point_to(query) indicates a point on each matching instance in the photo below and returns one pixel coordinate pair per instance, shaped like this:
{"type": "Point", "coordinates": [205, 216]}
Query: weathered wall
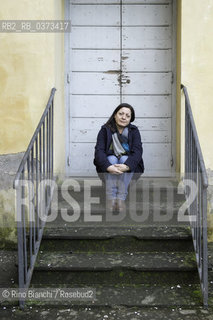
{"type": "Point", "coordinates": [8, 167]}
{"type": "Point", "coordinates": [197, 76]}
{"type": "Point", "coordinates": [59, 118]}
{"type": "Point", "coordinates": [197, 67]}
{"type": "Point", "coordinates": [26, 74]}
{"type": "Point", "coordinates": [30, 65]}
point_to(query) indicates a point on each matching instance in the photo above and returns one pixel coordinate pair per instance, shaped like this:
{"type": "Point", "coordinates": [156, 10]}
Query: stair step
{"type": "Point", "coordinates": [139, 203]}
{"type": "Point", "coordinates": [143, 192]}
{"type": "Point", "coordinates": [107, 239]}
{"type": "Point", "coordinates": [142, 295]}
{"type": "Point", "coordinates": [116, 244]}
{"type": "Point", "coordinates": [148, 261]}
{"type": "Point", "coordinates": [115, 277]}
{"type": "Point", "coordinates": [114, 313]}
{"type": "Point", "coordinates": [99, 217]}
{"type": "Point", "coordinates": [155, 207]}
{"type": "Point", "coordinates": [148, 233]}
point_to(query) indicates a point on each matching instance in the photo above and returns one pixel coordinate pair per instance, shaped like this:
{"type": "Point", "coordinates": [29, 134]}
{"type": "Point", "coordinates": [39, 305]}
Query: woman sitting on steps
{"type": "Point", "coordinates": [118, 154]}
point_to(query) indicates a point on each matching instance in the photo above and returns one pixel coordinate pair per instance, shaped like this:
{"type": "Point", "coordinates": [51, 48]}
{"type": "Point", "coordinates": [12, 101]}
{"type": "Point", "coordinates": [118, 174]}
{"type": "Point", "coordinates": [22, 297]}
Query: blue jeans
{"type": "Point", "coordinates": [117, 185]}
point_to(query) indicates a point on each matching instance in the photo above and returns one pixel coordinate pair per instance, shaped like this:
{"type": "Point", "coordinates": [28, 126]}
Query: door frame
{"type": "Point", "coordinates": [174, 88]}
{"type": "Point", "coordinates": [66, 87]}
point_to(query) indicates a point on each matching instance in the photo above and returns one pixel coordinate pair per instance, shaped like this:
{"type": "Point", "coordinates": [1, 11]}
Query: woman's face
{"type": "Point", "coordinates": [123, 117]}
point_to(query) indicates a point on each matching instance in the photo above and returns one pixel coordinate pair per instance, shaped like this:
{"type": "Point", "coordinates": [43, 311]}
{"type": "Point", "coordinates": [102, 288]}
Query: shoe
{"type": "Point", "coordinates": [121, 206]}
{"type": "Point", "coordinates": [111, 205]}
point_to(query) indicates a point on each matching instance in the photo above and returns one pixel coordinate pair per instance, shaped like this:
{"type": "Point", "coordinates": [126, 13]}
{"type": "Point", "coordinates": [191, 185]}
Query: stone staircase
{"type": "Point", "coordinates": [145, 259]}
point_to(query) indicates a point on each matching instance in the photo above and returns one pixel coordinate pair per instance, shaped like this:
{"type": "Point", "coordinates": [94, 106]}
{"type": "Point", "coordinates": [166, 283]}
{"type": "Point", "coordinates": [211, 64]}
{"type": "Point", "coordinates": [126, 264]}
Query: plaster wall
{"type": "Point", "coordinates": [30, 65]}
{"type": "Point", "coordinates": [197, 76]}
{"type": "Point", "coordinates": [197, 68]}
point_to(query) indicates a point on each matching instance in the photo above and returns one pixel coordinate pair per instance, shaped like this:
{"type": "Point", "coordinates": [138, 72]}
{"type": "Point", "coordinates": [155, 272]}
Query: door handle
{"type": "Point", "coordinates": [127, 81]}
{"type": "Point", "coordinates": [123, 79]}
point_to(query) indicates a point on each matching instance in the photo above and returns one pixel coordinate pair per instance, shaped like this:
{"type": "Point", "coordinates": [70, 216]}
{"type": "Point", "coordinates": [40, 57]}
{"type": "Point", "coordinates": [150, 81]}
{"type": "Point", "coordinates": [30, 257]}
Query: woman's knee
{"type": "Point", "coordinates": [123, 159]}
{"type": "Point", "coordinates": [112, 159]}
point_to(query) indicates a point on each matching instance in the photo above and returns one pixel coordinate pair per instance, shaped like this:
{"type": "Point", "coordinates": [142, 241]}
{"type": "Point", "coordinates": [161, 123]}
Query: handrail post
{"type": "Point", "coordinates": [205, 251]}
{"type": "Point", "coordinates": [20, 241]}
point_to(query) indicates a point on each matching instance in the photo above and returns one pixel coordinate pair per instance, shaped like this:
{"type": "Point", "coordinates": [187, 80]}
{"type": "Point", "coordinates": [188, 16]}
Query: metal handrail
{"type": "Point", "coordinates": [32, 197]}
{"type": "Point", "coordinates": [195, 173]}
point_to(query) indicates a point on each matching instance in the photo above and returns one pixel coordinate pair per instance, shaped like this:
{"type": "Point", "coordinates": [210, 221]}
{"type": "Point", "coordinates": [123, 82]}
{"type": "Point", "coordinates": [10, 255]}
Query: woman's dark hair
{"type": "Point", "coordinates": [111, 121]}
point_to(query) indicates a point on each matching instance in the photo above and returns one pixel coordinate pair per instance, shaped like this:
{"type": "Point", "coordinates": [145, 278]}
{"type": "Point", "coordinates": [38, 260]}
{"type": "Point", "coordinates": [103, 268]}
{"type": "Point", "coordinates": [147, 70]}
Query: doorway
{"type": "Point", "coordinates": [121, 51]}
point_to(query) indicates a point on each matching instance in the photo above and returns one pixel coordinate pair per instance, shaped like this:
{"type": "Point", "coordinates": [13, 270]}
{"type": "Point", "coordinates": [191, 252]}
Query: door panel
{"type": "Point", "coordinates": [95, 60]}
{"type": "Point", "coordinates": [145, 2]}
{"type": "Point", "coordinates": [95, 37]}
{"type": "Point", "coordinates": [146, 15]}
{"type": "Point", "coordinates": [82, 161]}
{"type": "Point", "coordinates": [150, 106]}
{"type": "Point", "coordinates": [96, 106]}
{"type": "Point", "coordinates": [91, 15]}
{"type": "Point", "coordinates": [146, 37]}
{"type": "Point", "coordinates": [147, 83]}
{"type": "Point", "coordinates": [98, 2]}
{"type": "Point", "coordinates": [146, 60]}
{"type": "Point", "coordinates": [121, 51]}
{"type": "Point", "coordinates": [94, 83]}
{"type": "Point", "coordinates": [157, 156]}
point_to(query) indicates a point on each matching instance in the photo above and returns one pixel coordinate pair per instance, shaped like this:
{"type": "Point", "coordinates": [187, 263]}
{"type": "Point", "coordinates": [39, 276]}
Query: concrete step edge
{"type": "Point", "coordinates": [146, 261]}
{"type": "Point", "coordinates": [142, 295]}
{"type": "Point", "coordinates": [142, 233]}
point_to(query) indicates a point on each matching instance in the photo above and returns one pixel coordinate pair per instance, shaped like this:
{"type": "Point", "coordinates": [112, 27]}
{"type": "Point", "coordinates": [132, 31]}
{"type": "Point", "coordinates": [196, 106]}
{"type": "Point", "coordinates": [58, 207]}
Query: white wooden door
{"type": "Point", "coordinates": [121, 51]}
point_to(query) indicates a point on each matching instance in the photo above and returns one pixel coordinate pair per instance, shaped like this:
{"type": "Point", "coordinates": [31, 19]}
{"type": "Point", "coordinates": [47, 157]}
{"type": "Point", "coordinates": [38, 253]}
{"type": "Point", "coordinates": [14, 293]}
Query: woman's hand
{"type": "Point", "coordinates": [113, 169]}
{"type": "Point", "coordinates": [122, 167]}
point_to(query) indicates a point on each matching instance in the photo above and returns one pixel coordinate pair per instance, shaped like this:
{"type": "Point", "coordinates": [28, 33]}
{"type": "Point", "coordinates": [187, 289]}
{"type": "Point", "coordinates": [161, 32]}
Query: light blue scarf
{"type": "Point", "coordinates": [120, 143]}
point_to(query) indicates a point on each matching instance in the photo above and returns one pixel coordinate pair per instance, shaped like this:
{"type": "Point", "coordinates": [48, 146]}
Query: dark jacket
{"type": "Point", "coordinates": [102, 150]}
